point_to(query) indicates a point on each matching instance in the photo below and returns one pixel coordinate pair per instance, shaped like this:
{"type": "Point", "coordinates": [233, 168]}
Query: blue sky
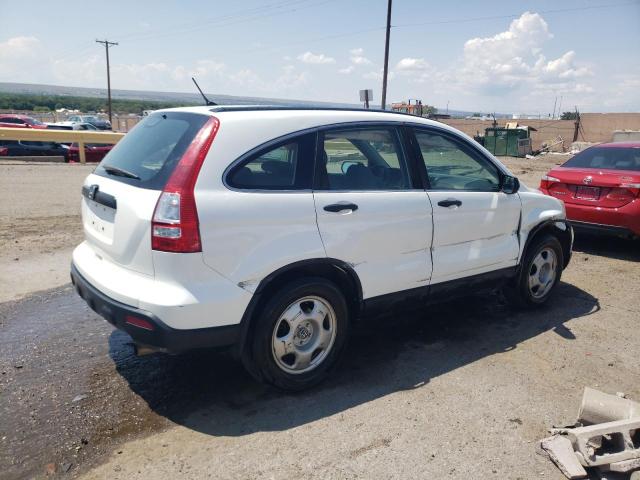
{"type": "Point", "coordinates": [502, 56]}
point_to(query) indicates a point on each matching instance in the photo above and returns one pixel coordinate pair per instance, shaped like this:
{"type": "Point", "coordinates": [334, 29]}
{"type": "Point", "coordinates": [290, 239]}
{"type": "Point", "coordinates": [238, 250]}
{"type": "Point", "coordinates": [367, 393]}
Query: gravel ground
{"type": "Point", "coordinates": [455, 391]}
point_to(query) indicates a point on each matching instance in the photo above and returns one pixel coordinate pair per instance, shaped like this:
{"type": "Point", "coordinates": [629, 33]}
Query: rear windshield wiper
{"type": "Point", "coordinates": [111, 170]}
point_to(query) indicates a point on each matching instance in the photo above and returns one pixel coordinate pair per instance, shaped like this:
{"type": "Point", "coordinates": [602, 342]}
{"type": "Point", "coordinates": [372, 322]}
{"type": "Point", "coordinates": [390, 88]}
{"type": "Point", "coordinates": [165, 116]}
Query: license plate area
{"type": "Point", "coordinates": [587, 193]}
{"type": "Point", "coordinates": [100, 221]}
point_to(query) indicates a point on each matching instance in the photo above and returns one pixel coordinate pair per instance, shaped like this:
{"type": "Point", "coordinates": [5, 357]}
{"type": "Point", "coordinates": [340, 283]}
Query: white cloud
{"type": "Point", "coordinates": [377, 75]}
{"type": "Point", "coordinates": [411, 65]}
{"type": "Point", "coordinates": [316, 59]}
{"type": "Point", "coordinates": [347, 70]}
{"type": "Point", "coordinates": [19, 55]}
{"type": "Point", "coordinates": [513, 59]}
{"type": "Point", "coordinates": [358, 58]}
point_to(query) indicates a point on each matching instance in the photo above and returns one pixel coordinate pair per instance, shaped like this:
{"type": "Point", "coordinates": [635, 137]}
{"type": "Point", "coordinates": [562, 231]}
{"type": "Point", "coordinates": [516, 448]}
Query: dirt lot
{"type": "Point", "coordinates": [457, 391]}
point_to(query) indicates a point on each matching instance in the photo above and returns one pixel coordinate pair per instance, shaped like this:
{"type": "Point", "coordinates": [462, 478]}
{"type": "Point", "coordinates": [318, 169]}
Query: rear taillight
{"type": "Point", "coordinates": [625, 192]}
{"type": "Point", "coordinates": [175, 226]}
{"type": "Point", "coordinates": [546, 181]}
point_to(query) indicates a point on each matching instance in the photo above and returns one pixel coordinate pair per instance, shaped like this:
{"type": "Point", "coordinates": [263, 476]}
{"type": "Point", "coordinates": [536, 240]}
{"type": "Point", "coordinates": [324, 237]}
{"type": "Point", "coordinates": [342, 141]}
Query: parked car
{"type": "Point", "coordinates": [20, 121]}
{"type": "Point", "coordinates": [94, 120]}
{"type": "Point", "coordinates": [71, 126]}
{"type": "Point", "coordinates": [272, 230]}
{"type": "Point", "coordinates": [94, 152]}
{"type": "Point", "coordinates": [600, 188]}
{"type": "Point", "coordinates": [4, 151]}
{"type": "Point", "coordinates": [24, 148]}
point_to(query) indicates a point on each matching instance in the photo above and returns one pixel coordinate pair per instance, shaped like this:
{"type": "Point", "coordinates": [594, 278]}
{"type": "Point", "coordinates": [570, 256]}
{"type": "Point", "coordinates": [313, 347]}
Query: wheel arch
{"type": "Point", "coordinates": [561, 229]}
{"type": "Point", "coordinates": [334, 270]}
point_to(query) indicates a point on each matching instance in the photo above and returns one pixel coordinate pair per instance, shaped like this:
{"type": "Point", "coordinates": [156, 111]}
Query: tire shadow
{"type": "Point", "coordinates": [607, 246]}
{"type": "Point", "coordinates": [211, 392]}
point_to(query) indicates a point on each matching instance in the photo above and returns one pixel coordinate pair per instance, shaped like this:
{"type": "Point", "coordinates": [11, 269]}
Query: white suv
{"type": "Point", "coordinates": [273, 229]}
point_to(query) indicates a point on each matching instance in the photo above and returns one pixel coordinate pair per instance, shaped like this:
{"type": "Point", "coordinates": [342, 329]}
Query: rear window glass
{"type": "Point", "coordinates": [607, 159]}
{"type": "Point", "coordinates": [153, 148]}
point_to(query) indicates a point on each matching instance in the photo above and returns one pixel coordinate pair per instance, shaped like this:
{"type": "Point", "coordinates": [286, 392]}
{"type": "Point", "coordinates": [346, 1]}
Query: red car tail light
{"type": "Point", "coordinates": [175, 226]}
{"type": "Point", "coordinates": [625, 193]}
{"type": "Point", "coordinates": [546, 181]}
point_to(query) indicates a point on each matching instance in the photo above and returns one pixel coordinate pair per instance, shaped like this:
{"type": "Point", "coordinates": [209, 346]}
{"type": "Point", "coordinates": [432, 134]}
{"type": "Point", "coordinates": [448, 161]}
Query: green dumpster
{"type": "Point", "coordinates": [504, 141]}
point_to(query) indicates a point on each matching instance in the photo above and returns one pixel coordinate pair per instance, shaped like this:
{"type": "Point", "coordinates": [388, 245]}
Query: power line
{"type": "Point", "coordinates": [108, 44]}
{"type": "Point", "coordinates": [513, 15]}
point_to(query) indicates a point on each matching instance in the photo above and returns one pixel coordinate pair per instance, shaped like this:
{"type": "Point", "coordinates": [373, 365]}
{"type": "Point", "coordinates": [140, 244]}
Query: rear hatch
{"type": "Point", "coordinates": [119, 198]}
{"type": "Point", "coordinates": [607, 177]}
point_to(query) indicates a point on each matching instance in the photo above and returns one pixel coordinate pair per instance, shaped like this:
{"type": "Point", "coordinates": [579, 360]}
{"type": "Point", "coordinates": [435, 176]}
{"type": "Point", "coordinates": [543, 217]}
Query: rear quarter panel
{"type": "Point", "coordinates": [246, 235]}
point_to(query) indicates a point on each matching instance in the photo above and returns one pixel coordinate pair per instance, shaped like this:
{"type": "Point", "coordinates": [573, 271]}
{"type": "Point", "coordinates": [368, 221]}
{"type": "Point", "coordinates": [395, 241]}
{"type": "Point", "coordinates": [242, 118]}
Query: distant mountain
{"type": "Point", "coordinates": [193, 98]}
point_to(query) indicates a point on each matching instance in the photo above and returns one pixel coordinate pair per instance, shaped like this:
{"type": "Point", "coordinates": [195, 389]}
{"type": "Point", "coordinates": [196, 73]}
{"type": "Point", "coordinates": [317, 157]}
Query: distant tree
{"type": "Point", "coordinates": [429, 110]}
{"type": "Point", "coordinates": [476, 114]}
{"type": "Point", "coordinates": [569, 116]}
{"type": "Point", "coordinates": [43, 103]}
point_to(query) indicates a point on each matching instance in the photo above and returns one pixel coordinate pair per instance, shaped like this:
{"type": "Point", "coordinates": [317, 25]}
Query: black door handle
{"type": "Point", "coordinates": [449, 202]}
{"type": "Point", "coordinates": [338, 207]}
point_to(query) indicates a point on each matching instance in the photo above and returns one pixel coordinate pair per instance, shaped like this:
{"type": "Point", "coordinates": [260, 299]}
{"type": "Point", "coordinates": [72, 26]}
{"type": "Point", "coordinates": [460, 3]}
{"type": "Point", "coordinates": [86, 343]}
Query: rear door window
{"type": "Point", "coordinates": [153, 148]}
{"type": "Point", "coordinates": [362, 159]}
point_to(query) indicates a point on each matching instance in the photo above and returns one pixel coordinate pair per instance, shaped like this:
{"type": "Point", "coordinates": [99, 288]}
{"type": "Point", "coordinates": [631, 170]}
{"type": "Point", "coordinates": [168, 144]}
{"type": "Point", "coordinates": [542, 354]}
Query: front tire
{"type": "Point", "coordinates": [539, 274]}
{"type": "Point", "coordinates": [300, 334]}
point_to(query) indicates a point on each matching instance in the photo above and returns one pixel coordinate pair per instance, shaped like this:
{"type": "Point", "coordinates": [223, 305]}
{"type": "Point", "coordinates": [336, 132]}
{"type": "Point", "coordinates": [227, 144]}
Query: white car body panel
{"type": "Point", "coordinates": [121, 236]}
{"type": "Point", "coordinates": [248, 235]}
{"type": "Point", "coordinates": [386, 240]}
{"type": "Point", "coordinates": [478, 236]}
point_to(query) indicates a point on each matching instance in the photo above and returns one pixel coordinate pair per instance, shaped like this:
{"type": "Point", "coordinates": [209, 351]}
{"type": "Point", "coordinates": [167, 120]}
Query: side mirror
{"type": "Point", "coordinates": [510, 184]}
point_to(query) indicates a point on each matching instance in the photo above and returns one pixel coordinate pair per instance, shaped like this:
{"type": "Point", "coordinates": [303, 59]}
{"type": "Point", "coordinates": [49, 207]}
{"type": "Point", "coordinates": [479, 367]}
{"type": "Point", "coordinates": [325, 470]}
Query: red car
{"type": "Point", "coordinates": [20, 121]}
{"type": "Point", "coordinates": [94, 152]}
{"type": "Point", "coordinates": [4, 151]}
{"type": "Point", "coordinates": [600, 187]}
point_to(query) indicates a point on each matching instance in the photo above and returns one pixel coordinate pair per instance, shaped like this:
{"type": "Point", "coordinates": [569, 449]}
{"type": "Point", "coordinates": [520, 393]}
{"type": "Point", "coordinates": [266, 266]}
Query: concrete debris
{"type": "Point", "coordinates": [606, 436]}
{"type": "Point", "coordinates": [561, 452]}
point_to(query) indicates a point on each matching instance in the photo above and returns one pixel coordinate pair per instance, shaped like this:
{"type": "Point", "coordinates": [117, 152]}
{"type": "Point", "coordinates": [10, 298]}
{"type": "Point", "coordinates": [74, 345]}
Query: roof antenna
{"type": "Point", "coordinates": [206, 100]}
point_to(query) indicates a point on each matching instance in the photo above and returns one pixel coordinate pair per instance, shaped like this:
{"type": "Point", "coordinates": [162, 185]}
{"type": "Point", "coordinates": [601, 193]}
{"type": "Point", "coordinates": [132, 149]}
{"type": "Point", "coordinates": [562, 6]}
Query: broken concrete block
{"type": "Point", "coordinates": [560, 450]}
{"type": "Point", "coordinates": [599, 407]}
{"type": "Point", "coordinates": [606, 443]}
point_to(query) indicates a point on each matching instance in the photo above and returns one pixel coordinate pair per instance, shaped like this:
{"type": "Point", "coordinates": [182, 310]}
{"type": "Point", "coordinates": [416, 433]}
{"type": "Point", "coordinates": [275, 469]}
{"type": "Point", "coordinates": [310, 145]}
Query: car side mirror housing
{"type": "Point", "coordinates": [510, 184]}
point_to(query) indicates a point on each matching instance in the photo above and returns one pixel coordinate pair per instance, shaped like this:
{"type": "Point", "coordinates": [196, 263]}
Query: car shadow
{"type": "Point", "coordinates": [607, 246]}
{"type": "Point", "coordinates": [211, 392]}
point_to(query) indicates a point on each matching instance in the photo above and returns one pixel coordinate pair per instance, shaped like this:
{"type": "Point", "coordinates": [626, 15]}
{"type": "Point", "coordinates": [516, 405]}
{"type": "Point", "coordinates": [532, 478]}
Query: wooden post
{"type": "Point", "coordinates": [83, 158]}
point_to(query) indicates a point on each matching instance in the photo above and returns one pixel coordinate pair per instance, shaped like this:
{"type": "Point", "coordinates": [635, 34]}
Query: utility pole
{"type": "Point", "coordinates": [386, 58]}
{"type": "Point", "coordinates": [108, 44]}
{"type": "Point", "coordinates": [576, 125]}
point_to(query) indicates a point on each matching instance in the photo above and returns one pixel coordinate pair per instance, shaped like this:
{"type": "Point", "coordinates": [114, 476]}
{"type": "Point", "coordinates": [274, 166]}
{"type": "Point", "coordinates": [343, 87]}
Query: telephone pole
{"type": "Point", "coordinates": [386, 58]}
{"type": "Point", "coordinates": [108, 44]}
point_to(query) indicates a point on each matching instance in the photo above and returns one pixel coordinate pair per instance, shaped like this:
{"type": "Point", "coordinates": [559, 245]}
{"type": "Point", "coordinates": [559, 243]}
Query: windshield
{"type": "Point", "coordinates": [153, 148]}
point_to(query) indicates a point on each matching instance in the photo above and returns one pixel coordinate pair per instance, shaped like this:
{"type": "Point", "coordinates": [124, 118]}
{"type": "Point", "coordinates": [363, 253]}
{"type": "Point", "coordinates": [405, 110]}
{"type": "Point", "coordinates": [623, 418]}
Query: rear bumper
{"type": "Point", "coordinates": [160, 335]}
{"type": "Point", "coordinates": [602, 229]}
{"type": "Point", "coordinates": [623, 221]}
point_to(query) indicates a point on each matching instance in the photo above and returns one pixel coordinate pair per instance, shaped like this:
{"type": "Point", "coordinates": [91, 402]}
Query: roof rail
{"type": "Point", "coordinates": [251, 108]}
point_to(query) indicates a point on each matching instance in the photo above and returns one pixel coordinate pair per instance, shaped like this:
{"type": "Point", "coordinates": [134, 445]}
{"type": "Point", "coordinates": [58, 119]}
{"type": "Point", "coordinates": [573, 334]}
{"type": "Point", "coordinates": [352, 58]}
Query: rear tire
{"type": "Point", "coordinates": [300, 335]}
{"type": "Point", "coordinates": [539, 273]}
